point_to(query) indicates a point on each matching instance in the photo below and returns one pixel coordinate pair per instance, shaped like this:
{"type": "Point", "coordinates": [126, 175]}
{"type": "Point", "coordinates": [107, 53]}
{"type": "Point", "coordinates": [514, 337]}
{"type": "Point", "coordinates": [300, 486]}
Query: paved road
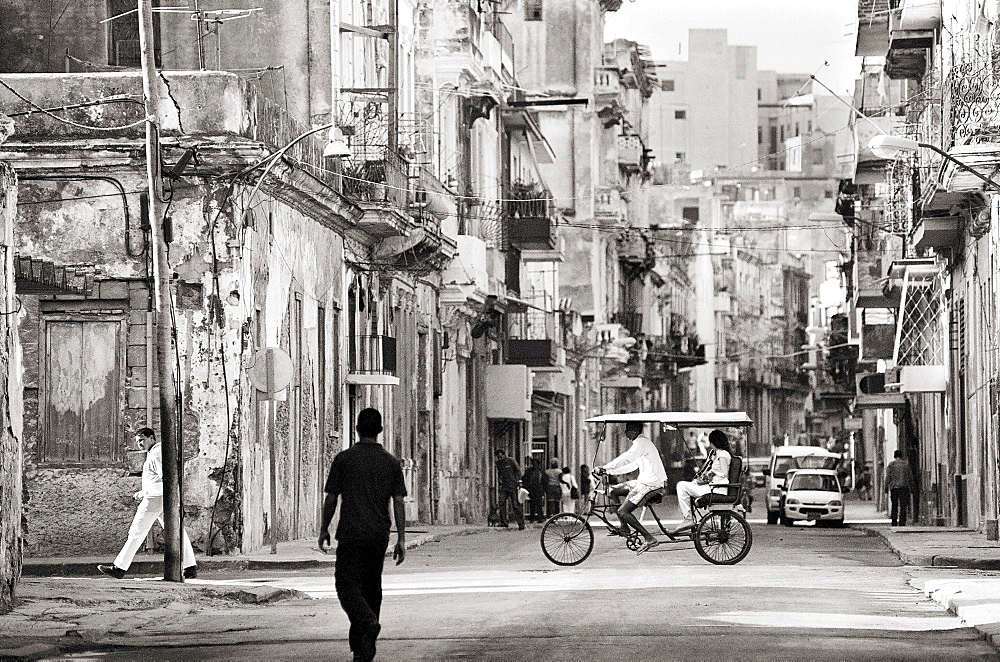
{"type": "Point", "coordinates": [802, 593]}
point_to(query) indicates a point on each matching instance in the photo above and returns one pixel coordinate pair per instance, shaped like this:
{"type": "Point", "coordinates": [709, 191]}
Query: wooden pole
{"type": "Point", "coordinates": [172, 524]}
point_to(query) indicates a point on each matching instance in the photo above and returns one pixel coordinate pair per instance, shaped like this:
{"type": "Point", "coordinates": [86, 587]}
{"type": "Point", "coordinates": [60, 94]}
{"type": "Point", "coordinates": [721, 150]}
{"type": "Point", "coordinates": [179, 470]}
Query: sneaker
{"type": "Point", "coordinates": [191, 572]}
{"type": "Point", "coordinates": [111, 571]}
{"type": "Point", "coordinates": [646, 546]}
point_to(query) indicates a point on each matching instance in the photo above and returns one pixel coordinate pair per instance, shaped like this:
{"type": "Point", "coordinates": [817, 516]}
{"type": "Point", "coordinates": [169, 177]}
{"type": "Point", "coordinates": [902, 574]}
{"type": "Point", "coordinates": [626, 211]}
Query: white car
{"type": "Point", "coordinates": [814, 495]}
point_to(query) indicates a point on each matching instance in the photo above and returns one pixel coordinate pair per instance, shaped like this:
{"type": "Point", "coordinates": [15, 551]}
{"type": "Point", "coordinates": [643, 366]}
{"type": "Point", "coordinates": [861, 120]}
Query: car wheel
{"type": "Point", "coordinates": [836, 523]}
{"type": "Point", "coordinates": [786, 521]}
{"type": "Point", "coordinates": [772, 517]}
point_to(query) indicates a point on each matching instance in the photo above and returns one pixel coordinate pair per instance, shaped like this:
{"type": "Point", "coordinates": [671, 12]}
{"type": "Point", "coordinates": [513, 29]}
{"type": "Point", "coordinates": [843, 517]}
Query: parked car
{"type": "Point", "coordinates": [757, 466]}
{"type": "Point", "coordinates": [814, 495]}
{"type": "Point", "coordinates": [786, 458]}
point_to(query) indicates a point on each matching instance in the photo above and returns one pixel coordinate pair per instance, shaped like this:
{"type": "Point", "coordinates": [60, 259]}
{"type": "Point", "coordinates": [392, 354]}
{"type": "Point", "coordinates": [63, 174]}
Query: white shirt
{"type": "Point", "coordinates": [644, 457]}
{"type": "Point", "coordinates": [720, 466]}
{"type": "Point", "coordinates": [152, 472]}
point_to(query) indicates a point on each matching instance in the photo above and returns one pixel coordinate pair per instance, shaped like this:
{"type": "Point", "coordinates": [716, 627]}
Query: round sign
{"type": "Point", "coordinates": [270, 369]}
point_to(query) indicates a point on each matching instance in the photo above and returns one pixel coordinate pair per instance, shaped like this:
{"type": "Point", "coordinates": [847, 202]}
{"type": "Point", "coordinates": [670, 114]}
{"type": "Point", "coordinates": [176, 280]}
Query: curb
{"type": "Point", "coordinates": [140, 567]}
{"type": "Point", "coordinates": [976, 605]}
{"type": "Point", "coordinates": [931, 560]}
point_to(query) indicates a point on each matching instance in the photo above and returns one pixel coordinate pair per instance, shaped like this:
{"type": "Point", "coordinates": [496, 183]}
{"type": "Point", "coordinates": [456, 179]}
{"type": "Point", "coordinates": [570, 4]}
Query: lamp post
{"type": "Point", "coordinates": [892, 147]}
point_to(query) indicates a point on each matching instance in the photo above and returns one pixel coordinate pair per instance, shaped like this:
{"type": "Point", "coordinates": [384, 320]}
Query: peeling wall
{"type": "Point", "coordinates": [10, 399]}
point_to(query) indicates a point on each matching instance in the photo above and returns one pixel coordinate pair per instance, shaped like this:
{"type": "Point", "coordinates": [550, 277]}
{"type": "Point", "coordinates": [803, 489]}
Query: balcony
{"type": "Point", "coordinates": [630, 154]}
{"type": "Point", "coordinates": [530, 218]}
{"type": "Point", "coordinates": [540, 353]}
{"type": "Point", "coordinates": [372, 361]}
{"type": "Point", "coordinates": [937, 232]}
{"type": "Point", "coordinates": [633, 249]}
{"type": "Point", "coordinates": [973, 99]}
{"type": "Point", "coordinates": [630, 320]}
{"type": "Point", "coordinates": [506, 41]}
{"type": "Point", "coordinates": [909, 40]}
{"type": "Point", "coordinates": [609, 205]}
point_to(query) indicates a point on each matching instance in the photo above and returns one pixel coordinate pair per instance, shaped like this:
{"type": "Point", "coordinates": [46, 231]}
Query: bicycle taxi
{"type": "Point", "coordinates": [720, 534]}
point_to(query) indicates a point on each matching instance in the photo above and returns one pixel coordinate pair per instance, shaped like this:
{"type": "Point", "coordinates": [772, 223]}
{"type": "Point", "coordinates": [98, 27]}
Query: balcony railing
{"type": "Point", "coordinates": [373, 355]}
{"type": "Point", "coordinates": [972, 97]}
{"type": "Point", "coordinates": [506, 41]}
{"type": "Point", "coordinates": [530, 218]}
{"type": "Point", "coordinates": [630, 153]}
{"type": "Point", "coordinates": [629, 319]}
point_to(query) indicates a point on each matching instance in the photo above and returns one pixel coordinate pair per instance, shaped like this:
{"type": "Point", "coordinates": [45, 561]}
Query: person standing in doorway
{"type": "Point", "coordinates": [365, 477]}
{"type": "Point", "coordinates": [586, 484]}
{"type": "Point", "coordinates": [508, 482]}
{"type": "Point", "coordinates": [899, 483]}
{"type": "Point", "coordinates": [532, 480]}
{"type": "Point", "coordinates": [150, 510]}
{"type": "Point", "coordinates": [553, 487]}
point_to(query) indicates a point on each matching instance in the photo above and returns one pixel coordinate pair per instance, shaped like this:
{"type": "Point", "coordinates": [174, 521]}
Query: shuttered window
{"type": "Point", "coordinates": [80, 404]}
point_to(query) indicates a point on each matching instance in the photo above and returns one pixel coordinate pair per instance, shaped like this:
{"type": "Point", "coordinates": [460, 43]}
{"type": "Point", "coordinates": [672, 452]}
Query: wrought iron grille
{"type": "Point", "coordinates": [920, 334]}
{"type": "Point", "coordinates": [899, 203]}
{"type": "Point", "coordinates": [972, 97]}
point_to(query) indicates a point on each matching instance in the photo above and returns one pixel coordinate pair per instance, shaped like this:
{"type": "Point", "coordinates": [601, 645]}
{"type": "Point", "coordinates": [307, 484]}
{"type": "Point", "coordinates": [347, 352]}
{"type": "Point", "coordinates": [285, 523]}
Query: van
{"type": "Point", "coordinates": [784, 458]}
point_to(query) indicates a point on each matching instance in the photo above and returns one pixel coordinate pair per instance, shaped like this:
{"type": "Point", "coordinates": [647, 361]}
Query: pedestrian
{"type": "Point", "coordinates": [864, 484]}
{"type": "Point", "coordinates": [533, 482]}
{"type": "Point", "coordinates": [570, 491]}
{"type": "Point", "coordinates": [150, 510]}
{"type": "Point", "coordinates": [586, 483]}
{"type": "Point", "coordinates": [899, 483]}
{"type": "Point", "coordinates": [365, 477]}
{"type": "Point", "coordinates": [508, 483]}
{"type": "Point", "coordinates": [553, 487]}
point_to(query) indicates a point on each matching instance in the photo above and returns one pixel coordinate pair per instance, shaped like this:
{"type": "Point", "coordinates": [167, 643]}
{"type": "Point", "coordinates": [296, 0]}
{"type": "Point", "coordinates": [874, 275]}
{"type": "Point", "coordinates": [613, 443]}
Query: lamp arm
{"type": "Point", "coordinates": [961, 165]}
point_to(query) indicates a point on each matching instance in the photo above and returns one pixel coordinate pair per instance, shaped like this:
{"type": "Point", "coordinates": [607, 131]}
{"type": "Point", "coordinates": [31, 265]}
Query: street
{"type": "Point", "coordinates": [802, 593]}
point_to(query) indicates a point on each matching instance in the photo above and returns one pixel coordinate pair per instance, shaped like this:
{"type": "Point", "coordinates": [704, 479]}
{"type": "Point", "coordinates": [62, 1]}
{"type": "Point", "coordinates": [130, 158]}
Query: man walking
{"type": "Point", "coordinates": [508, 482]}
{"type": "Point", "coordinates": [899, 482]}
{"type": "Point", "coordinates": [150, 510]}
{"type": "Point", "coordinates": [532, 480]}
{"type": "Point", "coordinates": [365, 477]}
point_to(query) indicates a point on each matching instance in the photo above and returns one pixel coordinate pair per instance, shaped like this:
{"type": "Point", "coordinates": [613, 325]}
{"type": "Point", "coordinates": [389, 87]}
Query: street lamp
{"type": "Point", "coordinates": [893, 147]}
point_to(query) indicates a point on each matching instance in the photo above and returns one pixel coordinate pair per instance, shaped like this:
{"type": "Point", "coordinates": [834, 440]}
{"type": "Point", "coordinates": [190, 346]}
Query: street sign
{"type": "Point", "coordinates": [270, 371]}
{"type": "Point", "coordinates": [852, 424]}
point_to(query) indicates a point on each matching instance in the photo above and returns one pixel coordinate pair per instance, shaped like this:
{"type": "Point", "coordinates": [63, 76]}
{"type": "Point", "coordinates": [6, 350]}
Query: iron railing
{"type": "Point", "coordinates": [373, 355]}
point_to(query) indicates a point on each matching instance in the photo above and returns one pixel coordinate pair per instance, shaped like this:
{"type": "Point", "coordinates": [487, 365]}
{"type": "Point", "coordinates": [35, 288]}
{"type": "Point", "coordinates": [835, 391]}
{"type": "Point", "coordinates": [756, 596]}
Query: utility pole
{"type": "Point", "coordinates": [172, 525]}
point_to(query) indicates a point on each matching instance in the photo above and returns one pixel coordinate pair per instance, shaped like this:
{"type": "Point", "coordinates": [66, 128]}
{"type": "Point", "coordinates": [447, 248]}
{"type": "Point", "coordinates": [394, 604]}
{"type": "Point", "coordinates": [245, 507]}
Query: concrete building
{"type": "Point", "coordinates": [925, 285]}
{"type": "Point", "coordinates": [11, 411]}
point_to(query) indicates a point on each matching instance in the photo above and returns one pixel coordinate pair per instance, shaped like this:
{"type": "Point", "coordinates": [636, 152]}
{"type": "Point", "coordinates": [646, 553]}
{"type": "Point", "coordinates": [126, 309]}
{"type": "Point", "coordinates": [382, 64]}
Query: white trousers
{"type": "Point", "coordinates": [150, 510]}
{"type": "Point", "coordinates": [568, 504]}
{"type": "Point", "coordinates": [687, 490]}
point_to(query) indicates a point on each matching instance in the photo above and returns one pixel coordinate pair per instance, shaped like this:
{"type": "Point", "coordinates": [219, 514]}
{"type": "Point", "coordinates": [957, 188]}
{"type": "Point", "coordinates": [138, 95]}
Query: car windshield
{"type": "Point", "coordinates": [783, 464]}
{"type": "Point", "coordinates": [822, 483]}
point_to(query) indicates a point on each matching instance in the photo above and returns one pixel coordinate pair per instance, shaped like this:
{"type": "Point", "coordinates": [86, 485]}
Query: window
{"type": "Point", "coordinates": [809, 126]}
{"type": "Point", "coordinates": [760, 135]}
{"type": "Point", "coordinates": [81, 369]}
{"type": "Point", "coordinates": [828, 194]}
{"type": "Point", "coordinates": [533, 10]}
{"type": "Point", "coordinates": [123, 35]}
{"type": "Point", "coordinates": [797, 192]}
{"type": "Point", "coordinates": [782, 134]}
{"type": "Point", "coordinates": [678, 156]}
{"type": "Point", "coordinates": [680, 114]}
{"type": "Point", "coordinates": [759, 95]}
{"type": "Point", "coordinates": [667, 86]}
{"type": "Point", "coordinates": [796, 129]}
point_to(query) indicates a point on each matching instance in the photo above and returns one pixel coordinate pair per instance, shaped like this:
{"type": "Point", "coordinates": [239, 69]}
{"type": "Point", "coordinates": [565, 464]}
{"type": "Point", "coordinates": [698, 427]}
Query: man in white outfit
{"type": "Point", "coordinates": [716, 472]}
{"type": "Point", "coordinates": [652, 476]}
{"type": "Point", "coordinates": [150, 510]}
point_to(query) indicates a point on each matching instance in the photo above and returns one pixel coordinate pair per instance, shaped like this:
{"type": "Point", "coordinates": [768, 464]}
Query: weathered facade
{"type": "Point", "coordinates": [925, 290]}
{"type": "Point", "coordinates": [10, 393]}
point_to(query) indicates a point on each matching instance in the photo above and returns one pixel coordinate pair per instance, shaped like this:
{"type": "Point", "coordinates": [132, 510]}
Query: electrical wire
{"type": "Point", "coordinates": [71, 122]}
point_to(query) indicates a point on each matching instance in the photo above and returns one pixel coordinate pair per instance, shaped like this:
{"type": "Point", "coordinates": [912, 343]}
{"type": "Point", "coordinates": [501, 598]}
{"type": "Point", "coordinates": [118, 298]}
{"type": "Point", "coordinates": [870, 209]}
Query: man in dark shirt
{"type": "Point", "coordinates": [365, 477]}
{"type": "Point", "coordinates": [899, 483]}
{"type": "Point", "coordinates": [508, 483]}
{"type": "Point", "coordinates": [536, 490]}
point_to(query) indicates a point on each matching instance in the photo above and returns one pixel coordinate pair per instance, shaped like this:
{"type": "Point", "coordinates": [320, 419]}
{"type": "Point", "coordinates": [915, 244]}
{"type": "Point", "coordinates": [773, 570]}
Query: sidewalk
{"type": "Point", "coordinates": [293, 555]}
{"type": "Point", "coordinates": [975, 598]}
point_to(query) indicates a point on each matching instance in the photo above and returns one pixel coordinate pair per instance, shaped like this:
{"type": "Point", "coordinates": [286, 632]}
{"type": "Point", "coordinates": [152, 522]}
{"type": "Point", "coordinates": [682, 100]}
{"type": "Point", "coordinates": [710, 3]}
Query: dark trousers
{"type": "Point", "coordinates": [358, 579]}
{"type": "Point", "coordinates": [536, 504]}
{"type": "Point", "coordinates": [510, 494]}
{"type": "Point", "coordinates": [899, 497]}
{"type": "Point", "coordinates": [553, 502]}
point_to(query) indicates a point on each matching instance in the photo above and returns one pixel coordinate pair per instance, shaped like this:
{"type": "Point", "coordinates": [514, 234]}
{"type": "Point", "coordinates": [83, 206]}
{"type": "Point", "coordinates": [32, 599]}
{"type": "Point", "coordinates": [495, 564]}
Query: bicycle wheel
{"type": "Point", "coordinates": [723, 538]}
{"type": "Point", "coordinates": [567, 539]}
